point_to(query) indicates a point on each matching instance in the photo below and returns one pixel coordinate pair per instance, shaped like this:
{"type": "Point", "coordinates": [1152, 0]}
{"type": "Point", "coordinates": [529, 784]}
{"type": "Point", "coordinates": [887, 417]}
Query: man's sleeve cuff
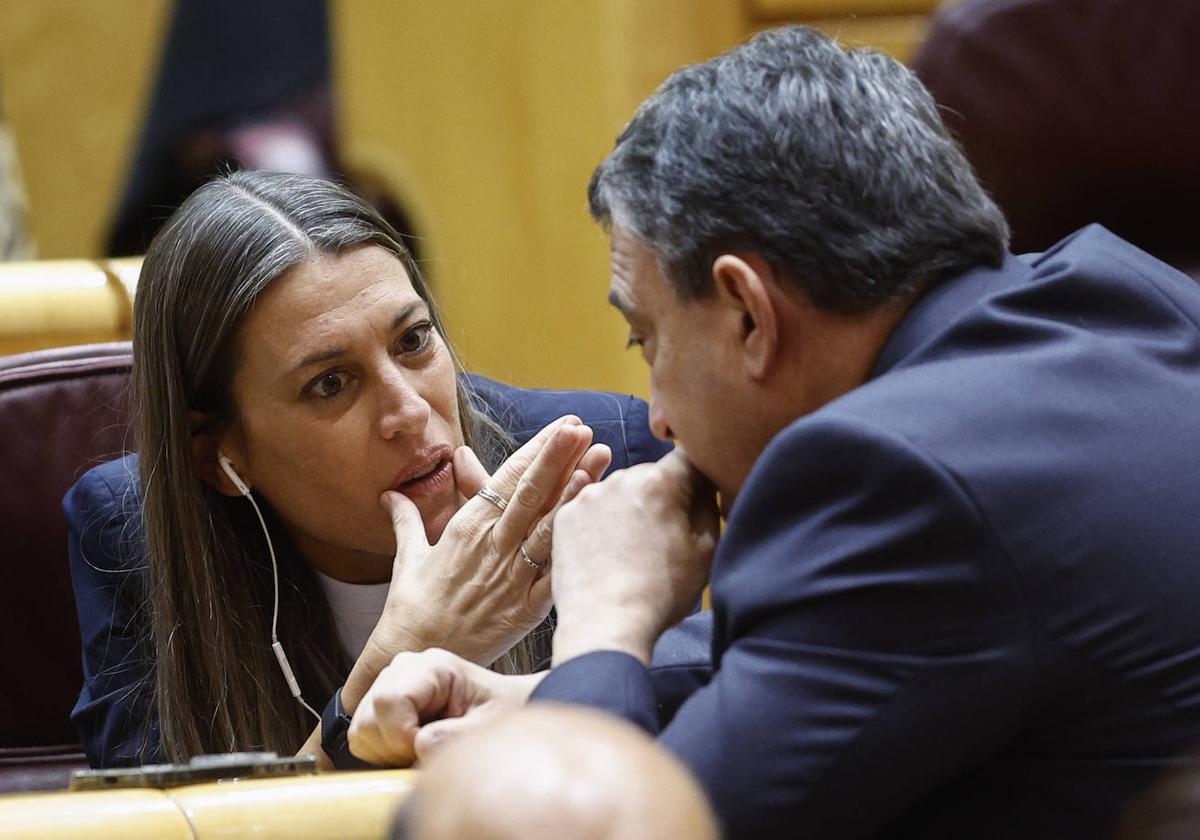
{"type": "Point", "coordinates": [613, 682]}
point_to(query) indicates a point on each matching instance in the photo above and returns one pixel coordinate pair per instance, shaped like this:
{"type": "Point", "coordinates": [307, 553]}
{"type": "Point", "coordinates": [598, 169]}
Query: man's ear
{"type": "Point", "coordinates": [208, 441]}
{"type": "Point", "coordinates": [743, 284]}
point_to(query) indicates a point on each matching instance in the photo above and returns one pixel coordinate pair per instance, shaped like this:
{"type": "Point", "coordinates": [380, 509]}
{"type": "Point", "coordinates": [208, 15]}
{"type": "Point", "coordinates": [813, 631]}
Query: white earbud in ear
{"type": "Point", "coordinates": [284, 665]}
{"type": "Point", "coordinates": [227, 466]}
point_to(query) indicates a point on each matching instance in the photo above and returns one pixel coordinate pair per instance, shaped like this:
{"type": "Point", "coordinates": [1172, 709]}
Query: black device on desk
{"type": "Point", "coordinates": [202, 768]}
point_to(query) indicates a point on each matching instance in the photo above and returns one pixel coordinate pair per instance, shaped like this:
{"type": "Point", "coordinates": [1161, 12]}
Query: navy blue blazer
{"type": "Point", "coordinates": [104, 517]}
{"type": "Point", "coordinates": [962, 600]}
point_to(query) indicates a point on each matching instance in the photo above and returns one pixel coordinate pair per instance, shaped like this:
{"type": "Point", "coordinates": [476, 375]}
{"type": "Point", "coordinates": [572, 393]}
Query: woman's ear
{"type": "Point", "coordinates": [742, 284]}
{"type": "Point", "coordinates": [208, 441]}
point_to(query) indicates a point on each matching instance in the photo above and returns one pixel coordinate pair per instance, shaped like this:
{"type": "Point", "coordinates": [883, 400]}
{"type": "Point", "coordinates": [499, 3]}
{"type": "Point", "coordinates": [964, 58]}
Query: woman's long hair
{"type": "Point", "coordinates": [217, 686]}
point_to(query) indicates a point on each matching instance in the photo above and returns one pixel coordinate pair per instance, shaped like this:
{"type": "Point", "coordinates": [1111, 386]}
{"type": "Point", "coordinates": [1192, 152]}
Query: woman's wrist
{"type": "Point", "coordinates": [381, 648]}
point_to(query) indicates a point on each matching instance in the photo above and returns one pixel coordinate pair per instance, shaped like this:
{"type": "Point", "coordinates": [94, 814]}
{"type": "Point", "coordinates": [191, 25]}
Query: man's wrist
{"type": "Point", "coordinates": [572, 639]}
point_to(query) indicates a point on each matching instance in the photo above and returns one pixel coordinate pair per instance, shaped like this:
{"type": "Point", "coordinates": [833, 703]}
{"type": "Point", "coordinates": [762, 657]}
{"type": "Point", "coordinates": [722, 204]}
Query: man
{"type": "Point", "coordinates": [567, 772]}
{"type": "Point", "coordinates": [956, 593]}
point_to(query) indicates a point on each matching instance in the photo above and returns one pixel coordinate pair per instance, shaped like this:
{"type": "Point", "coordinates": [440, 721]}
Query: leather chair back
{"type": "Point", "coordinates": [1077, 111]}
{"type": "Point", "coordinates": [62, 411]}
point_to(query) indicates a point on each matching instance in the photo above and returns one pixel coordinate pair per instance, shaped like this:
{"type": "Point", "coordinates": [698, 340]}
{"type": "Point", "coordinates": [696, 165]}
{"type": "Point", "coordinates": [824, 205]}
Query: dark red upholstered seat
{"type": "Point", "coordinates": [1078, 111]}
{"type": "Point", "coordinates": [62, 411]}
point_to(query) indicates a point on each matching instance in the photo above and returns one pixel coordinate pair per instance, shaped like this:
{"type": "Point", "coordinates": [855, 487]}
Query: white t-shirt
{"type": "Point", "coordinates": [356, 609]}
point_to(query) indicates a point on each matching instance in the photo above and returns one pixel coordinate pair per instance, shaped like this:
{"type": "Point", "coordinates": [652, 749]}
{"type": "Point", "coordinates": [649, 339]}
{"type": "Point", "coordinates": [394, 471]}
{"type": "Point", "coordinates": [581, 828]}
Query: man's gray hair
{"type": "Point", "coordinates": [834, 166]}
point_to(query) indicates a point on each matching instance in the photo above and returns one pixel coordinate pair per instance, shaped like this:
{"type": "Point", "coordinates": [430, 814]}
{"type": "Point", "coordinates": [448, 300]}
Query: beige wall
{"type": "Point", "coordinates": [490, 117]}
{"type": "Point", "coordinates": [486, 117]}
{"type": "Point", "coordinates": [75, 76]}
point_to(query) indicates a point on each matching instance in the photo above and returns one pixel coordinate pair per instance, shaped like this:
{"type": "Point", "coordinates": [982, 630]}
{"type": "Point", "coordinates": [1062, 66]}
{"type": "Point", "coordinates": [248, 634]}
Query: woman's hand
{"type": "Point", "coordinates": [474, 592]}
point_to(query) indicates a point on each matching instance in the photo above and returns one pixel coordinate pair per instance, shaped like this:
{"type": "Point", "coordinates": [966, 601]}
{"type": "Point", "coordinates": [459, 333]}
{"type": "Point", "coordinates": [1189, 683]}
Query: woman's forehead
{"type": "Point", "coordinates": [355, 280]}
{"type": "Point", "coordinates": [329, 298]}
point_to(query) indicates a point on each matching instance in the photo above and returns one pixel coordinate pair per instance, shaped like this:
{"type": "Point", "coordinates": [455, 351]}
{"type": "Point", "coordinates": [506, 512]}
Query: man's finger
{"type": "Point", "coordinates": [385, 723]}
{"type": "Point", "coordinates": [407, 524]}
{"type": "Point", "coordinates": [434, 735]}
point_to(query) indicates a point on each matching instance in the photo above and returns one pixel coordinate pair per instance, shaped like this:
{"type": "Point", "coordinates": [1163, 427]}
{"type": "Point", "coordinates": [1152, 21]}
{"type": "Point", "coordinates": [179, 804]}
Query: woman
{"type": "Point", "coordinates": [280, 327]}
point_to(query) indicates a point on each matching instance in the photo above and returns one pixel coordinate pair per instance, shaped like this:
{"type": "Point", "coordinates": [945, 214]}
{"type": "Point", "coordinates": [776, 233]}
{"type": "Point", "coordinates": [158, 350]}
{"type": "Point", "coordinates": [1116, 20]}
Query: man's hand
{"type": "Point", "coordinates": [422, 699]}
{"type": "Point", "coordinates": [631, 557]}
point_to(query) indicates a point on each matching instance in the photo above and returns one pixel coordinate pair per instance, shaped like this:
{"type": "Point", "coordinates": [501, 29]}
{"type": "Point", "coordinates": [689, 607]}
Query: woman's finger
{"type": "Point", "coordinates": [540, 486]}
{"type": "Point", "coordinates": [538, 543]}
{"type": "Point", "coordinates": [469, 474]}
{"type": "Point", "coordinates": [505, 481]}
{"type": "Point", "coordinates": [407, 524]}
{"type": "Point", "coordinates": [541, 598]}
{"type": "Point", "coordinates": [595, 461]}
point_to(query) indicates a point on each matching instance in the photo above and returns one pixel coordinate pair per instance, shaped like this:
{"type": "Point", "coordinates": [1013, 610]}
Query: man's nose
{"type": "Point", "coordinates": [402, 408]}
{"type": "Point", "coordinates": [658, 422]}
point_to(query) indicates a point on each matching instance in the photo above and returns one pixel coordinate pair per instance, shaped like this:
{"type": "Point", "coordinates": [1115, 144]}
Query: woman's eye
{"type": "Point", "coordinates": [634, 340]}
{"type": "Point", "coordinates": [328, 385]}
{"type": "Point", "coordinates": [417, 338]}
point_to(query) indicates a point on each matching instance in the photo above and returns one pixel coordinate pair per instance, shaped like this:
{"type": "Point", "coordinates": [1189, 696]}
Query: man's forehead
{"type": "Point", "coordinates": [631, 263]}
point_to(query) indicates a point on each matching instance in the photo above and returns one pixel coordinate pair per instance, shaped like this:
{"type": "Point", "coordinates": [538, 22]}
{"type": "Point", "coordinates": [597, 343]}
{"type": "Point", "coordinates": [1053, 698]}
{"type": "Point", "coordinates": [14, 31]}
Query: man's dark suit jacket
{"type": "Point", "coordinates": [962, 600]}
{"type": "Point", "coordinates": [103, 512]}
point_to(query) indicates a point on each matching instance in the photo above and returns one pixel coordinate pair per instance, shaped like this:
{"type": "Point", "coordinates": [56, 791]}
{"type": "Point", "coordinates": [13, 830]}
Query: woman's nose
{"type": "Point", "coordinates": [402, 408]}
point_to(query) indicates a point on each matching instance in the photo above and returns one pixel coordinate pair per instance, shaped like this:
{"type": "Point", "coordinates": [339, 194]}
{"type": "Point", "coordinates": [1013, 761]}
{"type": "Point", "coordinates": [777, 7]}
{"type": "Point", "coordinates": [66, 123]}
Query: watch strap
{"type": "Point", "coordinates": [335, 726]}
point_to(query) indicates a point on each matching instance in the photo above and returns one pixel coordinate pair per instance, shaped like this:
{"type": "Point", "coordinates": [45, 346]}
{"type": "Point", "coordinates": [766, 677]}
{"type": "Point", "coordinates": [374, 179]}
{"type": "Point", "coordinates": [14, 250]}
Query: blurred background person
{"type": "Point", "coordinates": [14, 241]}
{"type": "Point", "coordinates": [243, 85]}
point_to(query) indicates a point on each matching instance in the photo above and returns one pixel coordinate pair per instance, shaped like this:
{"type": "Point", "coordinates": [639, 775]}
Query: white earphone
{"type": "Point", "coordinates": [284, 665]}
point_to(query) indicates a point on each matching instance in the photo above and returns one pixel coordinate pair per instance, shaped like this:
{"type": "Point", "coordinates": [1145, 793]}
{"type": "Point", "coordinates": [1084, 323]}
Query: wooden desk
{"type": "Point", "coordinates": [354, 806]}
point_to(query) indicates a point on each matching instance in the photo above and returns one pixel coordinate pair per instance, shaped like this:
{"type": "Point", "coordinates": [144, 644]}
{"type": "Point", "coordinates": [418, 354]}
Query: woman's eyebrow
{"type": "Point", "coordinates": [335, 352]}
{"type": "Point", "coordinates": [407, 312]}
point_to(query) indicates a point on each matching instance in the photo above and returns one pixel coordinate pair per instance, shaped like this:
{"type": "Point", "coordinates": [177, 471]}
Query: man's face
{"type": "Point", "coordinates": [697, 396]}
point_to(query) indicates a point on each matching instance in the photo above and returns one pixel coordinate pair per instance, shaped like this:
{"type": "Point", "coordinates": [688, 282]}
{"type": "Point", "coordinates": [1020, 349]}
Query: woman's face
{"type": "Point", "coordinates": [343, 390]}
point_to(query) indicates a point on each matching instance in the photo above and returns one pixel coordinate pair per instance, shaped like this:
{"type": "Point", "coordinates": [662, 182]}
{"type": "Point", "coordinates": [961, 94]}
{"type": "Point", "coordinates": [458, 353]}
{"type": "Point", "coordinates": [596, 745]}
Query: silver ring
{"type": "Point", "coordinates": [530, 561]}
{"type": "Point", "coordinates": [493, 497]}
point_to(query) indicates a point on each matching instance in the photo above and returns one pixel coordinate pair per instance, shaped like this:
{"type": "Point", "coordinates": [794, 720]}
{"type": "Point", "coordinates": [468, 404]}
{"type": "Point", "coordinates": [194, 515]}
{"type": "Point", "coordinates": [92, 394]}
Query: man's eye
{"type": "Point", "coordinates": [634, 340]}
{"type": "Point", "coordinates": [327, 385]}
{"type": "Point", "coordinates": [416, 339]}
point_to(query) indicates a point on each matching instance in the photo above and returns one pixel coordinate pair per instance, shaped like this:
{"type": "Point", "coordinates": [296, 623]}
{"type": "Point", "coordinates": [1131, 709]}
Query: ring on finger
{"type": "Point", "coordinates": [492, 496]}
{"type": "Point", "coordinates": [533, 564]}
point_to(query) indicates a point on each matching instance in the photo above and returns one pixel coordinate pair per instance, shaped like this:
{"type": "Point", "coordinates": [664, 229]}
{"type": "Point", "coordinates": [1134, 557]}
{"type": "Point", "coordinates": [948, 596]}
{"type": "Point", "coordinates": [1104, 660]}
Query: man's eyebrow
{"type": "Point", "coordinates": [335, 352]}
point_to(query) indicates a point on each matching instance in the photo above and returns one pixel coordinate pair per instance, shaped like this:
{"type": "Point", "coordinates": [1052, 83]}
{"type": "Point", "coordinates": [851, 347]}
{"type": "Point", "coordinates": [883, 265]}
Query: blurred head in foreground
{"type": "Point", "coordinates": [555, 771]}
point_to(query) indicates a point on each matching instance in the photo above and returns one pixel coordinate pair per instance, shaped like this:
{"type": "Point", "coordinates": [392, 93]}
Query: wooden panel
{"type": "Point", "coordinates": [349, 806]}
{"type": "Point", "coordinates": [131, 815]}
{"type": "Point", "coordinates": [57, 302]}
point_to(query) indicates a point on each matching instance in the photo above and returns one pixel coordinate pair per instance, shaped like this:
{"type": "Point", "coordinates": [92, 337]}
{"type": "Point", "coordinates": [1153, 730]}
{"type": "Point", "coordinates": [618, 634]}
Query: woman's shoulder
{"type": "Point", "coordinates": [113, 484]}
{"type": "Point", "coordinates": [621, 421]}
{"type": "Point", "coordinates": [103, 513]}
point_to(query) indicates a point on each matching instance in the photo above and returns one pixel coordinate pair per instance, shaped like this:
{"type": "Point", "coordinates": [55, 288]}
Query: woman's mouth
{"type": "Point", "coordinates": [433, 480]}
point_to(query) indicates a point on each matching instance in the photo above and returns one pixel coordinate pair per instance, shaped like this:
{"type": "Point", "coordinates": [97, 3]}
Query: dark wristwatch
{"type": "Point", "coordinates": [335, 724]}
